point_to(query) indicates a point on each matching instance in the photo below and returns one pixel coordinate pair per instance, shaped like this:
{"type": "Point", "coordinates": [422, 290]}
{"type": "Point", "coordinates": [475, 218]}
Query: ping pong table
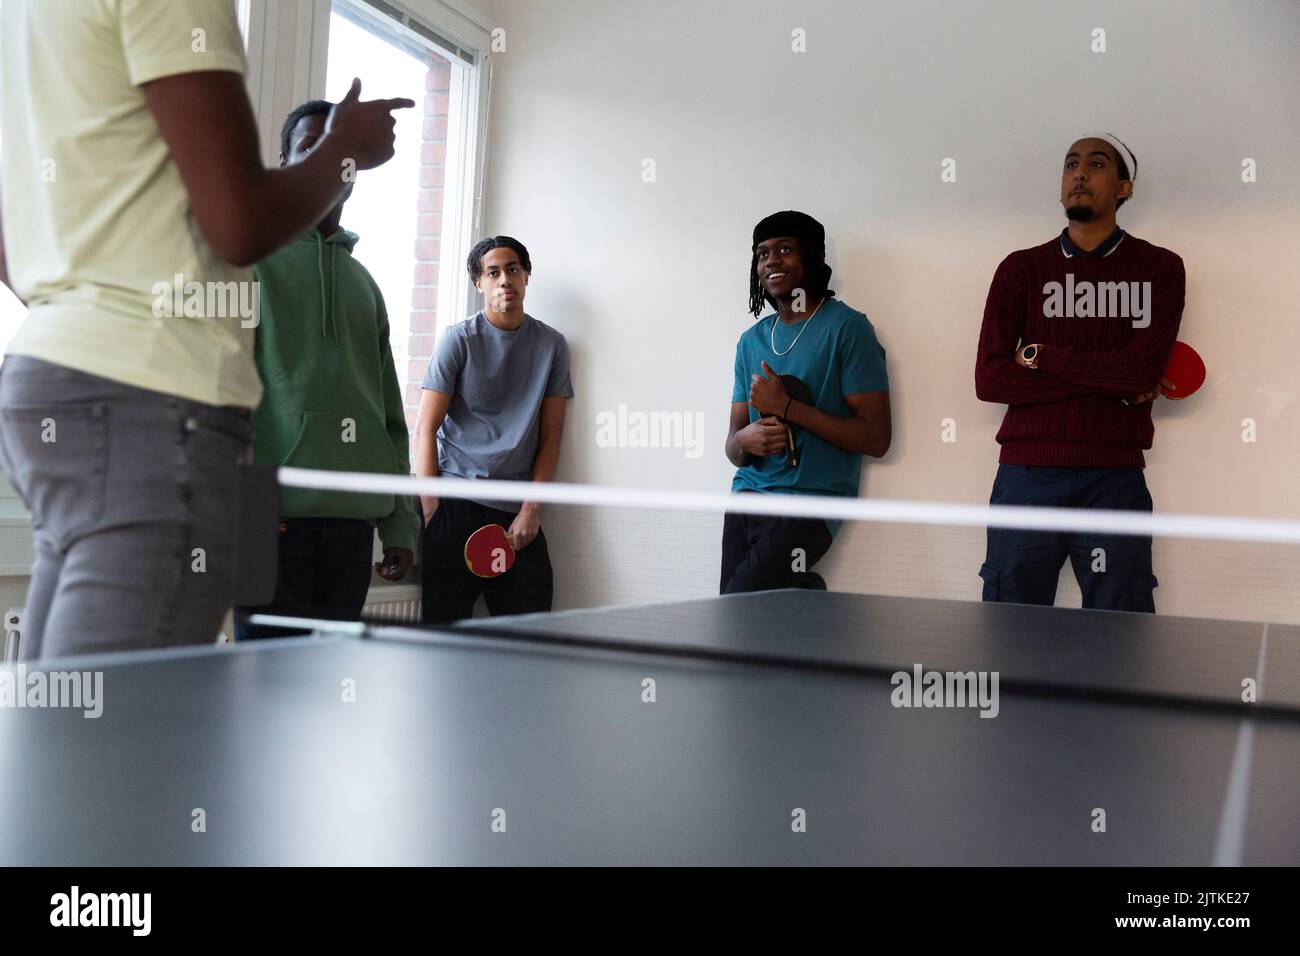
{"type": "Point", "coordinates": [749, 729]}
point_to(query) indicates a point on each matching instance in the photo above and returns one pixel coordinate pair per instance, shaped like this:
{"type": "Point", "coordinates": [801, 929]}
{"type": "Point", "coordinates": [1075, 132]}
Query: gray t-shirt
{"type": "Point", "coordinates": [497, 381]}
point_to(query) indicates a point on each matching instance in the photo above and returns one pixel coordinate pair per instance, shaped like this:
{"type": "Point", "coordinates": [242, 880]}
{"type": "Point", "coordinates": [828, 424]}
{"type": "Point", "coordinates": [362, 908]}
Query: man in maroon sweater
{"type": "Point", "coordinates": [1076, 336]}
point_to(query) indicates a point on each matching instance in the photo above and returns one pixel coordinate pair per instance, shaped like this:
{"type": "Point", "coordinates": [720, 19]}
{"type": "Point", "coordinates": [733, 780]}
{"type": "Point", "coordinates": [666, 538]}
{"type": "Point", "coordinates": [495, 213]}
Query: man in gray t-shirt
{"type": "Point", "coordinates": [492, 407]}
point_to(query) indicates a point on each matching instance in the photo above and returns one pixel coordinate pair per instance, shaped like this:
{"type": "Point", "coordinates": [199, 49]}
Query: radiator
{"type": "Point", "coordinates": [394, 603]}
{"type": "Point", "coordinates": [13, 633]}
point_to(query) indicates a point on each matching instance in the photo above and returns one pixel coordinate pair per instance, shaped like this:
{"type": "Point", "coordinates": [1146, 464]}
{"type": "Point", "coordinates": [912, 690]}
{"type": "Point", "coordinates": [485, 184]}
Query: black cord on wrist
{"type": "Point", "coordinates": [787, 407]}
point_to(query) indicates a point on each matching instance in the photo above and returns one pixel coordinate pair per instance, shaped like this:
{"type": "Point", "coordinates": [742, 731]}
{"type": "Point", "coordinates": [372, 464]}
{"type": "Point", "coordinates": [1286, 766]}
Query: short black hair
{"type": "Point", "coordinates": [310, 108]}
{"type": "Point", "coordinates": [481, 248]}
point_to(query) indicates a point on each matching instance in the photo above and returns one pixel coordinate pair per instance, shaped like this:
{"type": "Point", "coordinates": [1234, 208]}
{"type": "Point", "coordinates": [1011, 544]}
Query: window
{"type": "Point", "coordinates": [243, 12]}
{"type": "Point", "coordinates": [409, 213]}
{"type": "Point", "coordinates": [12, 312]}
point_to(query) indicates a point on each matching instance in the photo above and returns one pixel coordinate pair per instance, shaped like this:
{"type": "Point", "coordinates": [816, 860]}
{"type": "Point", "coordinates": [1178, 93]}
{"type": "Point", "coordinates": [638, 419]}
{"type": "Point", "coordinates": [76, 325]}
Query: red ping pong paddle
{"type": "Point", "coordinates": [1186, 371]}
{"type": "Point", "coordinates": [488, 553]}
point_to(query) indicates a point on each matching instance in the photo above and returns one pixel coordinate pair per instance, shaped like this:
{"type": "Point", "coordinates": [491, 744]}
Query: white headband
{"type": "Point", "coordinates": [1120, 150]}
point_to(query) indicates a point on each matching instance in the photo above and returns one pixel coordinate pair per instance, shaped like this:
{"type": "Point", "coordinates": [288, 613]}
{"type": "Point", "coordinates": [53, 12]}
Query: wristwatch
{"type": "Point", "coordinates": [1030, 354]}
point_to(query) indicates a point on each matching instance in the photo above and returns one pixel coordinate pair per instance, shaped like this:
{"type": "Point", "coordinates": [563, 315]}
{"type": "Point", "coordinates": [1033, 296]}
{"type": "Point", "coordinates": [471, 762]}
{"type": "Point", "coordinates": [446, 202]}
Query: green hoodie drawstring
{"type": "Point", "coordinates": [334, 292]}
{"type": "Point", "coordinates": [320, 271]}
{"type": "Point", "coordinates": [329, 286]}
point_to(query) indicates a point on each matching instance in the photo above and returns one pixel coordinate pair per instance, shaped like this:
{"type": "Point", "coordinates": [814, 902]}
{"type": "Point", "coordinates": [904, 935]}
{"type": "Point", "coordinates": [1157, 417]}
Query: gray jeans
{"type": "Point", "coordinates": [133, 496]}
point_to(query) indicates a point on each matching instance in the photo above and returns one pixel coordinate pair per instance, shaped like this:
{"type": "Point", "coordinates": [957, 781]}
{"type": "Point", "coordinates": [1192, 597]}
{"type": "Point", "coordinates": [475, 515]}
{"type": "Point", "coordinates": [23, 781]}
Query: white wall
{"type": "Point", "coordinates": [649, 280]}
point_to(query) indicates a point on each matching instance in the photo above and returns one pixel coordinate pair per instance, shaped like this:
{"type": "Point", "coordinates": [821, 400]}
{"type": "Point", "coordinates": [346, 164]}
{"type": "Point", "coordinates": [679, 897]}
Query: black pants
{"type": "Point", "coordinates": [324, 572]}
{"type": "Point", "coordinates": [765, 552]}
{"type": "Point", "coordinates": [1113, 570]}
{"type": "Point", "coordinates": [450, 588]}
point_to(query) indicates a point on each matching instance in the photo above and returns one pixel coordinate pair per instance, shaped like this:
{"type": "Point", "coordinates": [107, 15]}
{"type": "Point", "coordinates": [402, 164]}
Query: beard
{"type": "Point", "coordinates": [1079, 213]}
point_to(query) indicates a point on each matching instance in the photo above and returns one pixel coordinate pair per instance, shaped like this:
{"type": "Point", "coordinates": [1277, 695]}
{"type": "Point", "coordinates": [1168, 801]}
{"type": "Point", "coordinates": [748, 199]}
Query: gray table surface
{"type": "Point", "coordinates": [452, 730]}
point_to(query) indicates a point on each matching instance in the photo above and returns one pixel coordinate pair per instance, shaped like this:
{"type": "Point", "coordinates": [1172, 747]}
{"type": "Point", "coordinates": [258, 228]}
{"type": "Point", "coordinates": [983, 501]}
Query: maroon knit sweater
{"type": "Point", "coordinates": [1068, 412]}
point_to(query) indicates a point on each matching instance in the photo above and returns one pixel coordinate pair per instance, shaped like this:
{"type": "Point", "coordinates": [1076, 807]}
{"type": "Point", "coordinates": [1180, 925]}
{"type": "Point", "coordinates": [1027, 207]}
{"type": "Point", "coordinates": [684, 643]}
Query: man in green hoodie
{"type": "Point", "coordinates": [331, 401]}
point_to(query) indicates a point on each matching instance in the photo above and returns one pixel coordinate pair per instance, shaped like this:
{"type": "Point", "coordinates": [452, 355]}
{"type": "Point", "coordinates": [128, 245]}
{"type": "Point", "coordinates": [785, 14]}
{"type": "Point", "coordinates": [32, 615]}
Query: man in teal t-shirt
{"type": "Point", "coordinates": [832, 350]}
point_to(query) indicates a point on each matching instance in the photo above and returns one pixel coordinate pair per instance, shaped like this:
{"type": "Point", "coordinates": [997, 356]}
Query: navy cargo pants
{"type": "Point", "coordinates": [1113, 571]}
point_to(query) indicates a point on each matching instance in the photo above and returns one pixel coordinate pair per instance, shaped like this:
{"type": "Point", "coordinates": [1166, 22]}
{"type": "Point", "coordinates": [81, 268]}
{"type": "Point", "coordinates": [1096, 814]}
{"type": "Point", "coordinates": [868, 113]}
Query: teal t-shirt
{"type": "Point", "coordinates": [837, 355]}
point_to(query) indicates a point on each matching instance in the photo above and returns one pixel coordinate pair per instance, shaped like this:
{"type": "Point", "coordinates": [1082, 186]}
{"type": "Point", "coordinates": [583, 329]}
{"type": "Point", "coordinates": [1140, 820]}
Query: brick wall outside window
{"type": "Point", "coordinates": [424, 292]}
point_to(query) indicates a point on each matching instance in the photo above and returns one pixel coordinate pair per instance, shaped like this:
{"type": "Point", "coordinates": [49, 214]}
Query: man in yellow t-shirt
{"type": "Point", "coordinates": [132, 201]}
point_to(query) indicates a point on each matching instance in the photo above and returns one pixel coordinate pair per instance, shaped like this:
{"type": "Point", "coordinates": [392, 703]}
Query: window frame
{"type": "Point", "coordinates": [287, 47]}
